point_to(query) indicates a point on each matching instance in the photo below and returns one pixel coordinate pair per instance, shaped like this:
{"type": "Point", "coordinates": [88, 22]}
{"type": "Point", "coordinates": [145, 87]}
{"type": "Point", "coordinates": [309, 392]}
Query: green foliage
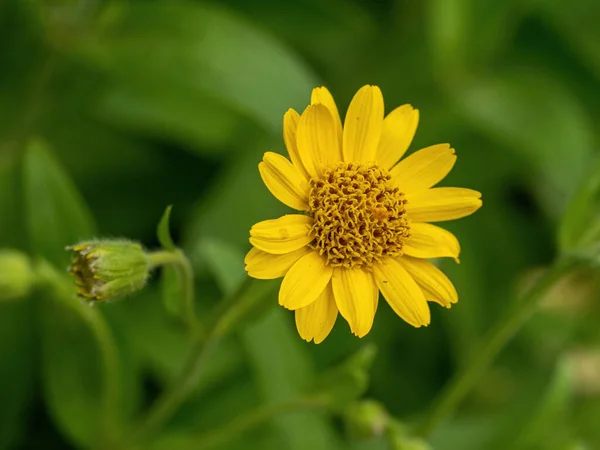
{"type": "Point", "coordinates": [56, 215]}
{"type": "Point", "coordinates": [17, 378]}
{"type": "Point", "coordinates": [552, 411]}
{"type": "Point", "coordinates": [119, 107]}
{"type": "Point", "coordinates": [222, 63]}
{"type": "Point", "coordinates": [270, 338]}
{"type": "Point", "coordinates": [72, 373]}
{"type": "Point", "coordinates": [170, 276]}
{"type": "Point", "coordinates": [348, 381]}
{"type": "Point", "coordinates": [580, 228]}
{"type": "Point", "coordinates": [557, 138]}
{"type": "Point", "coordinates": [164, 231]}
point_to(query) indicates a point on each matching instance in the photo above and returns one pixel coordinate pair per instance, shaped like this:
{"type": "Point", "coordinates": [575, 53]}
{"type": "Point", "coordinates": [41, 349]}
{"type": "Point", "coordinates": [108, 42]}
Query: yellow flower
{"type": "Point", "coordinates": [363, 226]}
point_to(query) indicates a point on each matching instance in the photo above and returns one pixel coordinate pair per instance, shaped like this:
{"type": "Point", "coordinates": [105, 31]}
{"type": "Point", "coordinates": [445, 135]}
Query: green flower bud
{"type": "Point", "coordinates": [106, 269]}
{"type": "Point", "coordinates": [399, 438]}
{"type": "Point", "coordinates": [583, 365]}
{"type": "Point", "coordinates": [410, 444]}
{"type": "Point", "coordinates": [16, 275]}
{"type": "Point", "coordinates": [366, 419]}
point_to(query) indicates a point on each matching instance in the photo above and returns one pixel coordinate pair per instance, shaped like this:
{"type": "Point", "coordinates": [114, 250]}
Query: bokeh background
{"type": "Point", "coordinates": [112, 110]}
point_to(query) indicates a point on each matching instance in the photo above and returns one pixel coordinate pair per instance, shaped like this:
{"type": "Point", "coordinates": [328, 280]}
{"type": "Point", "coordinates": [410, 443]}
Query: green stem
{"type": "Point", "coordinates": [177, 259]}
{"type": "Point", "coordinates": [63, 290]}
{"type": "Point", "coordinates": [109, 355]}
{"type": "Point", "coordinates": [498, 337]}
{"type": "Point", "coordinates": [252, 419]}
{"type": "Point", "coordinates": [187, 380]}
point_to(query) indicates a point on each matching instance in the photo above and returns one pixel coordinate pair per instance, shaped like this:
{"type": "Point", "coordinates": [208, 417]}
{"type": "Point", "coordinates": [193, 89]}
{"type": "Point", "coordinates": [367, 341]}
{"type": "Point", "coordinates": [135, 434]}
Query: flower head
{"type": "Point", "coordinates": [364, 223]}
{"type": "Point", "coordinates": [106, 269]}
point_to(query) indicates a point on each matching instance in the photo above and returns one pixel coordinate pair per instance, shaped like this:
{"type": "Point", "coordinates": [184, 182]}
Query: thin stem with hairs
{"type": "Point", "coordinates": [177, 259]}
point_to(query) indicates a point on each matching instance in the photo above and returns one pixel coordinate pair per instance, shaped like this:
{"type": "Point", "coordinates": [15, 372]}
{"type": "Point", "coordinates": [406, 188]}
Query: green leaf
{"type": "Point", "coordinates": [11, 226]}
{"type": "Point", "coordinates": [146, 108]}
{"type": "Point", "coordinates": [217, 55]}
{"type": "Point", "coordinates": [17, 377]}
{"type": "Point", "coordinates": [162, 344]}
{"type": "Point", "coordinates": [580, 226]}
{"type": "Point", "coordinates": [224, 261]}
{"type": "Point", "coordinates": [240, 200]}
{"type": "Point", "coordinates": [170, 284]}
{"type": "Point", "coordinates": [578, 23]}
{"type": "Point", "coordinates": [164, 232]}
{"type": "Point", "coordinates": [536, 115]}
{"type": "Point", "coordinates": [133, 372]}
{"type": "Point", "coordinates": [469, 433]}
{"type": "Point", "coordinates": [251, 305]}
{"type": "Point", "coordinates": [464, 33]}
{"type": "Point", "coordinates": [347, 382]}
{"type": "Point", "coordinates": [544, 425]}
{"type": "Point", "coordinates": [80, 363]}
{"type": "Point", "coordinates": [227, 399]}
{"type": "Point", "coordinates": [271, 338]}
{"type": "Point", "coordinates": [226, 264]}
{"type": "Point", "coordinates": [55, 213]}
{"type": "Point", "coordinates": [158, 341]}
{"type": "Point", "coordinates": [71, 372]}
{"type": "Point", "coordinates": [274, 338]}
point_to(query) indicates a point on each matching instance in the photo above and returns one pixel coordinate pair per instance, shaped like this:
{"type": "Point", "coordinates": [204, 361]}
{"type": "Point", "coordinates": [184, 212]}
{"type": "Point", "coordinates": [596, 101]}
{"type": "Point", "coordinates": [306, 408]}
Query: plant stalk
{"type": "Point", "coordinates": [458, 388]}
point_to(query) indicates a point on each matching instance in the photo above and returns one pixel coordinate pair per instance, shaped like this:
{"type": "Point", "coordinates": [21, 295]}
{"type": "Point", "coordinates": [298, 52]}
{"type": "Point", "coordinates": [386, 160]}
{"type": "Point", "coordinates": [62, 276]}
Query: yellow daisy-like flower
{"type": "Point", "coordinates": [363, 226]}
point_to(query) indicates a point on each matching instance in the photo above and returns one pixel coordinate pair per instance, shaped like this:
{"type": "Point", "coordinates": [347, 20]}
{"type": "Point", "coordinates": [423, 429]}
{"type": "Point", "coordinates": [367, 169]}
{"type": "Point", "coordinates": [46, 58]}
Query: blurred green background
{"type": "Point", "coordinates": [135, 105]}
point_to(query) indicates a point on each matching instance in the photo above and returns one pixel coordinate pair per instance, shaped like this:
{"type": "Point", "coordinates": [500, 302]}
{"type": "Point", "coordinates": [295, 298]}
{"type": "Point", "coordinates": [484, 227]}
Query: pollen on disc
{"type": "Point", "coordinates": [359, 215]}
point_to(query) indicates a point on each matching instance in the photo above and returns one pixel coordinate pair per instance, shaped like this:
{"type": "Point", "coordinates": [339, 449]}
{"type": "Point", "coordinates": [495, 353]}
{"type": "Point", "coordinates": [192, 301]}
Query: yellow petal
{"type": "Point", "coordinates": [265, 266]}
{"type": "Point", "coordinates": [284, 181]}
{"type": "Point", "coordinates": [440, 204]}
{"type": "Point", "coordinates": [435, 285]}
{"type": "Point", "coordinates": [402, 292]}
{"type": "Point", "coordinates": [278, 236]}
{"type": "Point", "coordinates": [363, 125]}
{"type": "Point", "coordinates": [323, 96]}
{"type": "Point", "coordinates": [316, 320]}
{"type": "Point", "coordinates": [354, 291]}
{"type": "Point", "coordinates": [424, 168]}
{"type": "Point", "coordinates": [399, 128]}
{"type": "Point", "coordinates": [290, 125]}
{"type": "Point", "coordinates": [317, 140]}
{"type": "Point", "coordinates": [430, 241]}
{"type": "Point", "coordinates": [304, 282]}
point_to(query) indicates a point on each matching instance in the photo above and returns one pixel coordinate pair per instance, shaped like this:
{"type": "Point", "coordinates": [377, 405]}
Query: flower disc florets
{"type": "Point", "coordinates": [359, 215]}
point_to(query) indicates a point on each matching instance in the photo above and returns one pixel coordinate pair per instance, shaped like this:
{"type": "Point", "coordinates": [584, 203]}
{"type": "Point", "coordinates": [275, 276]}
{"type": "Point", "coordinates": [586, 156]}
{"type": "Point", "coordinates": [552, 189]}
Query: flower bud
{"type": "Point", "coordinates": [399, 437]}
{"type": "Point", "coordinates": [366, 419]}
{"type": "Point", "coordinates": [16, 275]}
{"type": "Point", "coordinates": [584, 364]}
{"type": "Point", "coordinates": [106, 269]}
{"type": "Point", "coordinates": [410, 444]}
